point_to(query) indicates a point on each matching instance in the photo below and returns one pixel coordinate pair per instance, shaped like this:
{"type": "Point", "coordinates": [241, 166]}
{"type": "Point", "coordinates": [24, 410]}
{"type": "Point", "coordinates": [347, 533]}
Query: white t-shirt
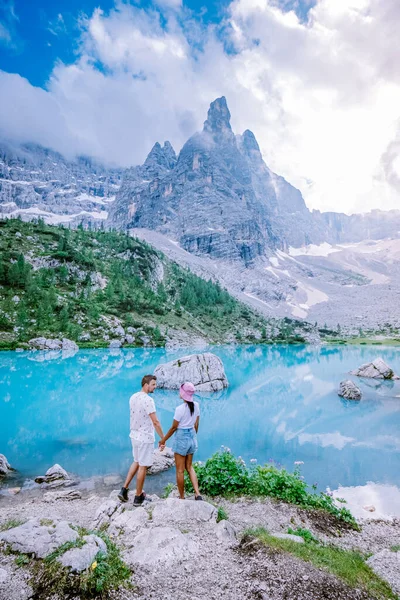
{"type": "Point", "coordinates": [182, 414]}
{"type": "Point", "coordinates": [141, 406]}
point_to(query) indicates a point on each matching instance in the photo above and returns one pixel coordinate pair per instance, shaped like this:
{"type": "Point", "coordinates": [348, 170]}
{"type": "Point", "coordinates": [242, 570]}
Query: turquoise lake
{"type": "Point", "coordinates": [281, 405]}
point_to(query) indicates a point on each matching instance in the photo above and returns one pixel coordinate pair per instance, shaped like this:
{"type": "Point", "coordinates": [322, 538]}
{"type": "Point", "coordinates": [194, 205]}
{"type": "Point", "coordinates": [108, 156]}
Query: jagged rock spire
{"type": "Point", "coordinates": [161, 155]}
{"type": "Point", "coordinates": [218, 119]}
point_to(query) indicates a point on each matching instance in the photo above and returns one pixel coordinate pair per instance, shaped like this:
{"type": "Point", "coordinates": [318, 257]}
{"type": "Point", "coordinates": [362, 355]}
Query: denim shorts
{"type": "Point", "coordinates": [185, 441]}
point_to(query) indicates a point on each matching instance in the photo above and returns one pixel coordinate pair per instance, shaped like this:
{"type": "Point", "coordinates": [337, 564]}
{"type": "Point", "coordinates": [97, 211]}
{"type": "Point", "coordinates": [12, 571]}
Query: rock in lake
{"type": "Point", "coordinates": [163, 460]}
{"type": "Point", "coordinates": [205, 371]}
{"type": "Point", "coordinates": [376, 369]}
{"type": "Point", "coordinates": [56, 476]}
{"type": "Point", "coordinates": [5, 467]}
{"type": "Point", "coordinates": [349, 390]}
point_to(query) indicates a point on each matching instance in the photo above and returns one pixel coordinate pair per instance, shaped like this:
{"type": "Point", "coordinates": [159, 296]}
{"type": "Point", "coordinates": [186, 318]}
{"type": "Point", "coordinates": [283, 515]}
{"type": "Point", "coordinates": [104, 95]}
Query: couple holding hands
{"type": "Point", "coordinates": [143, 423]}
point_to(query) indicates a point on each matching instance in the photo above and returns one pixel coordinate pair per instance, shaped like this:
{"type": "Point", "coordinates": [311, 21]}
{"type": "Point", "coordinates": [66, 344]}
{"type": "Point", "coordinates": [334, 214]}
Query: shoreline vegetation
{"type": "Point", "coordinates": [224, 475]}
{"type": "Point", "coordinates": [95, 286]}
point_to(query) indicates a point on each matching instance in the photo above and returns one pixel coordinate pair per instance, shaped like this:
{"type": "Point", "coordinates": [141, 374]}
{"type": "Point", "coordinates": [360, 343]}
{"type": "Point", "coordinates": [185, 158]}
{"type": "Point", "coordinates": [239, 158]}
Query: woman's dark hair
{"type": "Point", "coordinates": [148, 378]}
{"type": "Point", "coordinates": [191, 406]}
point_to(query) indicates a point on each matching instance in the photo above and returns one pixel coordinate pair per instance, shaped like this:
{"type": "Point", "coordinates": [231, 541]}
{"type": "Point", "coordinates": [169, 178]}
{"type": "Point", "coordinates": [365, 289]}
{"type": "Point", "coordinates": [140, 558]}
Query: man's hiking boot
{"type": "Point", "coordinates": [123, 495]}
{"type": "Point", "coordinates": [138, 501]}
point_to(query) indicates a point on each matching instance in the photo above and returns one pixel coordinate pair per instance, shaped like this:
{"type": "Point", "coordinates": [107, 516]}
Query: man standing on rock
{"type": "Point", "coordinates": [143, 421]}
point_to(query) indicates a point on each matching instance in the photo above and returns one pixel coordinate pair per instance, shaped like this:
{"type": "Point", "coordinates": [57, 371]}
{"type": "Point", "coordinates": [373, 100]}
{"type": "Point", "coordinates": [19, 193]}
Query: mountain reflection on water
{"type": "Point", "coordinates": [282, 405]}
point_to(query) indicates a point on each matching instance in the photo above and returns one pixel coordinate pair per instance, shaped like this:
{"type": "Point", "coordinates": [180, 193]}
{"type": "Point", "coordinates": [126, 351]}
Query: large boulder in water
{"type": "Point", "coordinates": [205, 371]}
{"type": "Point", "coordinates": [349, 390]}
{"type": "Point", "coordinates": [376, 369]}
{"type": "Point", "coordinates": [5, 467]}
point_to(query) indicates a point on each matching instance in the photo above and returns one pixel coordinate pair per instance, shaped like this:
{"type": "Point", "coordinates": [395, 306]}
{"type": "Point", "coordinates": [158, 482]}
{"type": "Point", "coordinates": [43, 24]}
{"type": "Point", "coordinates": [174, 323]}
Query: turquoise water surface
{"type": "Point", "coordinates": [282, 405]}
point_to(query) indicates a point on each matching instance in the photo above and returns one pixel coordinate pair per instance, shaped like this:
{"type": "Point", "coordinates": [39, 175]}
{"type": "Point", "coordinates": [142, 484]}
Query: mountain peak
{"type": "Point", "coordinates": [161, 155]}
{"type": "Point", "coordinates": [218, 118]}
{"type": "Point", "coordinates": [249, 141]}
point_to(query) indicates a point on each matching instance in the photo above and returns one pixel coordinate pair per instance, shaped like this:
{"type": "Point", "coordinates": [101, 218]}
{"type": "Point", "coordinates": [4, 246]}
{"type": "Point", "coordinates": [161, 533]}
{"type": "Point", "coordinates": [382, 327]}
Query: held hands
{"type": "Point", "coordinates": [161, 445]}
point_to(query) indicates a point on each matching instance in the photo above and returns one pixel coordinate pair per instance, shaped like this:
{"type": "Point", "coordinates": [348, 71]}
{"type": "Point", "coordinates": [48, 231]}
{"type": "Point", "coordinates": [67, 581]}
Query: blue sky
{"type": "Point", "coordinates": [317, 81]}
{"type": "Point", "coordinates": [44, 31]}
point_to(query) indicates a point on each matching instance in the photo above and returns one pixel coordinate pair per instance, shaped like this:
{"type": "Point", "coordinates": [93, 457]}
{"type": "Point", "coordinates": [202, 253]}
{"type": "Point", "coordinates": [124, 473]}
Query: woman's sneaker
{"type": "Point", "coordinates": [198, 498]}
{"type": "Point", "coordinates": [138, 501]}
{"type": "Point", "coordinates": [123, 495]}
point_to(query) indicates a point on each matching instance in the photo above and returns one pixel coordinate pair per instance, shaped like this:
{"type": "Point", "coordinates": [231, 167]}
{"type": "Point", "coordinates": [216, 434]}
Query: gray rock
{"type": "Point", "coordinates": [129, 338]}
{"type": "Point", "coordinates": [5, 467]}
{"type": "Point", "coordinates": [173, 511]}
{"type": "Point", "coordinates": [42, 343]}
{"type": "Point", "coordinates": [376, 369]}
{"type": "Point", "coordinates": [79, 559]}
{"type": "Point", "coordinates": [84, 337]}
{"type": "Point", "coordinates": [162, 461]}
{"type": "Point", "coordinates": [62, 495]}
{"type": "Point", "coordinates": [225, 532]}
{"type": "Point", "coordinates": [289, 536]}
{"type": "Point", "coordinates": [56, 474]}
{"type": "Point", "coordinates": [111, 507]}
{"type": "Point", "coordinates": [160, 545]}
{"type": "Point", "coordinates": [39, 540]}
{"type": "Point", "coordinates": [130, 521]}
{"type": "Point", "coordinates": [4, 575]}
{"type": "Point", "coordinates": [205, 371]}
{"type": "Point", "coordinates": [119, 331]}
{"type": "Point", "coordinates": [115, 344]}
{"type": "Point", "coordinates": [386, 564]}
{"type": "Point", "coordinates": [349, 390]}
{"type": "Point", "coordinates": [69, 345]}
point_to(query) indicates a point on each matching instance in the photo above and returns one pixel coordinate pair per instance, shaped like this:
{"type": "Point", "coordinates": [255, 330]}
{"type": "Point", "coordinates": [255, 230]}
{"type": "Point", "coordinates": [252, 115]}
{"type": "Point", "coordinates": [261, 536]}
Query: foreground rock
{"type": "Point", "coordinates": [205, 371]}
{"type": "Point", "coordinates": [5, 467]}
{"type": "Point", "coordinates": [376, 369]}
{"type": "Point", "coordinates": [160, 545]}
{"type": "Point", "coordinates": [79, 559]}
{"type": "Point", "coordinates": [163, 461]}
{"type": "Point", "coordinates": [56, 476]}
{"type": "Point", "coordinates": [62, 495]}
{"type": "Point", "coordinates": [173, 510]}
{"type": "Point", "coordinates": [349, 390]}
{"type": "Point", "coordinates": [37, 538]}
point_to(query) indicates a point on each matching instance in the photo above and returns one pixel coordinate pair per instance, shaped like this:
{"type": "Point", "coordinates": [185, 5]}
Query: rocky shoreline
{"type": "Point", "coordinates": [177, 549]}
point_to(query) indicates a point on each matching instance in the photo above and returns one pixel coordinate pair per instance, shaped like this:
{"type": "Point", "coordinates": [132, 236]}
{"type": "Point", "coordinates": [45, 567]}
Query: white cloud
{"type": "Point", "coordinates": [322, 97]}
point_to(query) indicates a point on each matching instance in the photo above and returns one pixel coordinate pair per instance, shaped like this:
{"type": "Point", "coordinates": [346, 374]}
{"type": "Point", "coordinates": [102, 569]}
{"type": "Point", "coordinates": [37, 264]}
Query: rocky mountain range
{"type": "Point", "coordinates": [218, 209]}
{"type": "Point", "coordinates": [38, 182]}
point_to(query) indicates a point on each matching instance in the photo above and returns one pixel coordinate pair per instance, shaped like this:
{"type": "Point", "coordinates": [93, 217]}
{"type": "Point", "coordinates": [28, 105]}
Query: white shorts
{"type": "Point", "coordinates": [143, 453]}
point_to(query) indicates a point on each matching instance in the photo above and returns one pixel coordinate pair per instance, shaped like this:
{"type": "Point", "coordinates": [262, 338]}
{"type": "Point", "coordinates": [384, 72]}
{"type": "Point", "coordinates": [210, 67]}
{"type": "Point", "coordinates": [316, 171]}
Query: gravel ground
{"type": "Point", "coordinates": [232, 571]}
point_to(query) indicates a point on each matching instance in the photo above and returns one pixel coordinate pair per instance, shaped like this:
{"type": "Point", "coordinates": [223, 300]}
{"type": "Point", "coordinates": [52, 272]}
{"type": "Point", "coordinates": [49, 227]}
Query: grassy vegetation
{"type": "Point", "coordinates": [106, 573]}
{"type": "Point", "coordinates": [395, 548]}
{"type": "Point", "coordinates": [349, 566]}
{"type": "Point", "coordinates": [222, 515]}
{"type": "Point", "coordinates": [225, 475]}
{"type": "Point", "coordinates": [57, 282]}
{"type": "Point", "coordinates": [303, 533]}
{"type": "Point", "coordinates": [10, 524]}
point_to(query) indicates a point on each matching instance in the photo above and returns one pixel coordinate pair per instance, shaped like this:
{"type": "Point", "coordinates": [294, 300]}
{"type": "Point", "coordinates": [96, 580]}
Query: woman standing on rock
{"type": "Point", "coordinates": [185, 426]}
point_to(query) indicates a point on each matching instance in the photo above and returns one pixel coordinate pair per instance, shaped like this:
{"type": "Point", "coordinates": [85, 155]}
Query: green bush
{"type": "Point", "coordinates": [222, 515]}
{"type": "Point", "coordinates": [225, 475]}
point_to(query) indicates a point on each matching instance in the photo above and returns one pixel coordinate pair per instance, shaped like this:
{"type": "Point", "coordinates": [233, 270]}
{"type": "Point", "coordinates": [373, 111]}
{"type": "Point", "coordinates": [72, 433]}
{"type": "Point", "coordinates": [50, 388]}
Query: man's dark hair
{"type": "Point", "coordinates": [147, 378]}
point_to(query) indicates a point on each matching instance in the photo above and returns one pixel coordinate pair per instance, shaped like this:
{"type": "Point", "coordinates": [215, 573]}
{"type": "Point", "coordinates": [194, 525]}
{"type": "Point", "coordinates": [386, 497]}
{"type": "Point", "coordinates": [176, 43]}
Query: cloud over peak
{"type": "Point", "coordinates": [321, 95]}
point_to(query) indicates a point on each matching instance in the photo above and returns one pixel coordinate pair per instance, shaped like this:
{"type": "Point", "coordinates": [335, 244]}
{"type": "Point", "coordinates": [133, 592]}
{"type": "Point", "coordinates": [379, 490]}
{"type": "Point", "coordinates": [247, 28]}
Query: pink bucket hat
{"type": "Point", "coordinates": [187, 390]}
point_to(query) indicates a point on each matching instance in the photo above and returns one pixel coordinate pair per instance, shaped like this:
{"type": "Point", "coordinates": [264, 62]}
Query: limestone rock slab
{"type": "Point", "coordinates": [160, 545]}
{"type": "Point", "coordinates": [39, 540]}
{"type": "Point", "coordinates": [173, 510]}
{"type": "Point", "coordinates": [79, 559]}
